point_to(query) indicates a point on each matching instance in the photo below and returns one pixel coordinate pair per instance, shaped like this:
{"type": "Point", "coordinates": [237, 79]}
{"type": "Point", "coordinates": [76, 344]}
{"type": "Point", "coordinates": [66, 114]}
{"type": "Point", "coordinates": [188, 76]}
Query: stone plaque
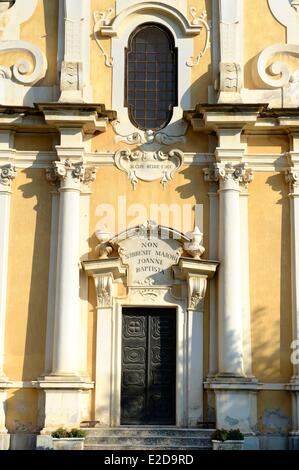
{"type": "Point", "coordinates": [149, 166]}
{"type": "Point", "coordinates": [149, 259]}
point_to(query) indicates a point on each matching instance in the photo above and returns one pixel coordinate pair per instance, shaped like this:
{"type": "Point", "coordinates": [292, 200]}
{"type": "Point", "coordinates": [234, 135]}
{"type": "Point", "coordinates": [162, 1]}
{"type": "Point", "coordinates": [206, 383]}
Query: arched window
{"type": "Point", "coordinates": [151, 77]}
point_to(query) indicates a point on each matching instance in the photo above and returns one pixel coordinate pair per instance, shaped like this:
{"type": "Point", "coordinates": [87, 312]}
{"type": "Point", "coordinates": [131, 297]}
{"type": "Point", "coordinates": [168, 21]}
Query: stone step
{"type": "Point", "coordinates": [148, 441]}
{"type": "Point", "coordinates": [148, 432]}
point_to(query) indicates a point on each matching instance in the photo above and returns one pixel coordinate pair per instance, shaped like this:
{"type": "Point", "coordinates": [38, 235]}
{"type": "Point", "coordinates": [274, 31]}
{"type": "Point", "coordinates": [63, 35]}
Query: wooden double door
{"type": "Point", "coordinates": [148, 378]}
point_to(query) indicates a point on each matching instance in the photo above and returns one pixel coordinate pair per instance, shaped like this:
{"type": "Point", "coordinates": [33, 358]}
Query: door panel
{"type": "Point", "coordinates": [148, 366]}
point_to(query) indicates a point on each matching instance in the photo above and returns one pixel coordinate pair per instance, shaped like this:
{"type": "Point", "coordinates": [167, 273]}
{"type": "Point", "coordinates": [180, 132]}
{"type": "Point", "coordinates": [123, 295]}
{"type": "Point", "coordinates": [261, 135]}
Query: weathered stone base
{"type": "Point", "coordinates": [4, 441]}
{"type": "Point", "coordinates": [236, 404]}
{"type": "Point", "coordinates": [21, 441]}
{"type": "Point", "coordinates": [294, 442]}
{"type": "Point", "coordinates": [63, 404]}
{"type": "Point", "coordinates": [44, 442]}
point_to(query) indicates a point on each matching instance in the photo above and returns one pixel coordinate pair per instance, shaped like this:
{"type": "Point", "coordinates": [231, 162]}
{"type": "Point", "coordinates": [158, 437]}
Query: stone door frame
{"type": "Point", "coordinates": [181, 356]}
{"type": "Point", "coordinates": [192, 276]}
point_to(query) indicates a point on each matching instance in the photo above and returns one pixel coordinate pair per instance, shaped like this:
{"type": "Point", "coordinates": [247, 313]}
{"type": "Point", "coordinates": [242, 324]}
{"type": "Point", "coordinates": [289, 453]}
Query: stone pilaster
{"type": "Point", "coordinates": [7, 174]}
{"type": "Point", "coordinates": [292, 178]}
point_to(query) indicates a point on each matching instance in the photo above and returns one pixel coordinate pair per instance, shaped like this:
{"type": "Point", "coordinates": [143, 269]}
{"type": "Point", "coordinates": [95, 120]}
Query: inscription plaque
{"type": "Point", "coordinates": [149, 260]}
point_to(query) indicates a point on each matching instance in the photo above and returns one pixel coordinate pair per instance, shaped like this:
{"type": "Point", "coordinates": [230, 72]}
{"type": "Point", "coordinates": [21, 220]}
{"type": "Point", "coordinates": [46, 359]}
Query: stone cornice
{"type": "Point", "coordinates": [49, 117]}
{"type": "Point", "coordinates": [252, 118]}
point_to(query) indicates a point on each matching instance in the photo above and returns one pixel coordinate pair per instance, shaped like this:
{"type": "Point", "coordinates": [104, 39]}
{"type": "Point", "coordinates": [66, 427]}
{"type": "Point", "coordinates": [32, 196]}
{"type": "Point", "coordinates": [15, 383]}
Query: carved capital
{"type": "Point", "coordinates": [7, 174]}
{"type": "Point", "coordinates": [68, 169]}
{"type": "Point", "coordinates": [90, 174]}
{"type": "Point", "coordinates": [197, 286]}
{"type": "Point", "coordinates": [52, 177]}
{"type": "Point", "coordinates": [67, 174]}
{"type": "Point", "coordinates": [103, 285]}
{"type": "Point", "coordinates": [229, 173]}
{"type": "Point", "coordinates": [292, 178]}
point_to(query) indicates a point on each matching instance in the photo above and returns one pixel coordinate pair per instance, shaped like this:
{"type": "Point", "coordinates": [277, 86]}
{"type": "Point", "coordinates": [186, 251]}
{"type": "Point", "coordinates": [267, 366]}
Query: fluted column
{"type": "Point", "coordinates": [7, 174]}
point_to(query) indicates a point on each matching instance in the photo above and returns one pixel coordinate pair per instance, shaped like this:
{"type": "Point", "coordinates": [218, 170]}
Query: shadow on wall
{"type": "Point", "coordinates": [22, 408]}
{"type": "Point", "coordinates": [33, 365]}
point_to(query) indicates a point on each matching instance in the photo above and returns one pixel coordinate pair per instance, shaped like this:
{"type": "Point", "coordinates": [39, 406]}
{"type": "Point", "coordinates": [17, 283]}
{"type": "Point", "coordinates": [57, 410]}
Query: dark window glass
{"type": "Point", "coordinates": [151, 77]}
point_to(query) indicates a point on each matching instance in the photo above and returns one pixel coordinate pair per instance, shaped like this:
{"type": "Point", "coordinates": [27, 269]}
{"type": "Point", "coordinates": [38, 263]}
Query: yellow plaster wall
{"type": "Point", "coordinates": [101, 75]}
{"type": "Point", "coordinates": [274, 411]}
{"type": "Point", "coordinates": [261, 29]}
{"type": "Point", "coordinates": [268, 144]}
{"type": "Point", "coordinates": [270, 277]}
{"type": "Point", "coordinates": [21, 410]}
{"type": "Point", "coordinates": [34, 142]}
{"type": "Point", "coordinates": [29, 243]}
{"type": "Point", "coordinates": [201, 73]}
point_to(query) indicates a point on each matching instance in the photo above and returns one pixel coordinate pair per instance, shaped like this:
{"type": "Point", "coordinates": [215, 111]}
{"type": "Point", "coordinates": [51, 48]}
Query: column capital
{"type": "Point", "coordinates": [7, 174]}
{"type": "Point", "coordinates": [292, 178]}
{"type": "Point", "coordinates": [70, 174]}
{"type": "Point", "coordinates": [229, 173]}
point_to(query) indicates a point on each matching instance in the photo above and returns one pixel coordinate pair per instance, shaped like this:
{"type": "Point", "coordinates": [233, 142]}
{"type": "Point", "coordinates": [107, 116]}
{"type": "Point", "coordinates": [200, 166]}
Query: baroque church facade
{"type": "Point", "coordinates": [149, 217]}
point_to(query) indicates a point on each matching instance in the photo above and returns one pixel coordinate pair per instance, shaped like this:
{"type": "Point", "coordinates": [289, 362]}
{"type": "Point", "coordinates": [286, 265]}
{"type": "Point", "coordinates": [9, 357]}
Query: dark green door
{"type": "Point", "coordinates": [148, 366]}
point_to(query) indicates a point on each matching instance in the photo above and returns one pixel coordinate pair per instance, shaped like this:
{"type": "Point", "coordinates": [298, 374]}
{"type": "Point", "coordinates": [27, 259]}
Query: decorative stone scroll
{"type": "Point", "coordinates": [149, 166]}
{"type": "Point", "coordinates": [7, 174]}
{"type": "Point", "coordinates": [12, 15]}
{"type": "Point", "coordinates": [278, 73]}
{"type": "Point", "coordinates": [292, 178]}
{"type": "Point", "coordinates": [148, 136]}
